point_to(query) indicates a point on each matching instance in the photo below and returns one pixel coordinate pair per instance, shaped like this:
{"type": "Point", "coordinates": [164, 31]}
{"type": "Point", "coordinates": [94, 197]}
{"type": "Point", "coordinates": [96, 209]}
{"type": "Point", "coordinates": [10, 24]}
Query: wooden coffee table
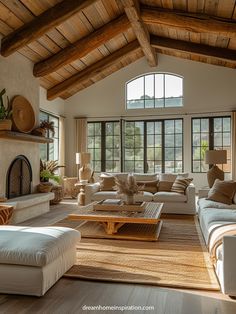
{"type": "Point", "coordinates": [145, 225]}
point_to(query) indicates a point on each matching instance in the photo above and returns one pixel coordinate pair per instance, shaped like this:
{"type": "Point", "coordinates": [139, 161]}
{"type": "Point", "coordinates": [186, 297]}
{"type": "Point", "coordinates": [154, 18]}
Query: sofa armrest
{"type": "Point", "coordinates": [228, 284]}
{"type": "Point", "coordinates": [90, 189]}
{"type": "Point", "coordinates": [190, 193]}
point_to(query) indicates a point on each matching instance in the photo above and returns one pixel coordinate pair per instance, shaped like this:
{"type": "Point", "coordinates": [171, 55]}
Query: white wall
{"type": "Point", "coordinates": [17, 77]}
{"type": "Point", "coordinates": [207, 89]}
{"type": "Point", "coordinates": [56, 106]}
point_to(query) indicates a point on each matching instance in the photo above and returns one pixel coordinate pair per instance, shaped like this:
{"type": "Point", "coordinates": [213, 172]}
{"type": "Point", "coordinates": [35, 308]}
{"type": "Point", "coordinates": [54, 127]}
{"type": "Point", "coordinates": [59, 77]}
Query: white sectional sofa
{"type": "Point", "coordinates": [173, 202]}
{"type": "Point", "coordinates": [214, 217]}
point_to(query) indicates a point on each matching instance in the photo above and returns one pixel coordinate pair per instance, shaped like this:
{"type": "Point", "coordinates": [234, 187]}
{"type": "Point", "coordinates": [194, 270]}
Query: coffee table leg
{"type": "Point", "coordinates": [112, 227]}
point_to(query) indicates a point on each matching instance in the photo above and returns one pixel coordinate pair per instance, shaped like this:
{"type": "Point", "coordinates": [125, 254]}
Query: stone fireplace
{"type": "Point", "coordinates": [19, 177]}
{"type": "Point", "coordinates": [20, 160]}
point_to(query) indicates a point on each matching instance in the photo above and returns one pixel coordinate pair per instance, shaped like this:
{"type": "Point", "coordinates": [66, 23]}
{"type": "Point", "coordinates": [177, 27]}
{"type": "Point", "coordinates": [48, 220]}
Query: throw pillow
{"type": "Point", "coordinates": [107, 183]}
{"type": "Point", "coordinates": [180, 185]}
{"type": "Point", "coordinates": [222, 192]}
{"type": "Point", "coordinates": [164, 186]}
{"type": "Point", "coordinates": [170, 177]}
{"type": "Point", "coordinates": [148, 186]}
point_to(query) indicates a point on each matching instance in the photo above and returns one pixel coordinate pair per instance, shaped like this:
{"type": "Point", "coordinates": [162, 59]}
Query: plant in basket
{"type": "Point", "coordinates": [48, 172]}
{"type": "Point", "coordinates": [5, 112]}
{"type": "Point", "coordinates": [127, 187]}
{"type": "Point", "coordinates": [43, 127]}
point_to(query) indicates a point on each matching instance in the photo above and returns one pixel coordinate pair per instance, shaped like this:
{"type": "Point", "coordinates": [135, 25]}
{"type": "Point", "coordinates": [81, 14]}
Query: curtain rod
{"type": "Point", "coordinates": [154, 115]}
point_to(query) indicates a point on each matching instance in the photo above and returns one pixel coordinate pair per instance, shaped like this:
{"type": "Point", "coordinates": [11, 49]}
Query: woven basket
{"type": "Point", "coordinates": [44, 187]}
{"type": "Point", "coordinates": [58, 192]}
{"type": "Point", "coordinates": [5, 125]}
{"type": "Point", "coordinates": [5, 214]}
{"type": "Point", "coordinates": [23, 116]}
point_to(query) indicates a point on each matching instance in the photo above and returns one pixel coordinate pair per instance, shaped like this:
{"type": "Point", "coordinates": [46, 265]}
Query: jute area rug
{"type": "Point", "coordinates": [178, 259]}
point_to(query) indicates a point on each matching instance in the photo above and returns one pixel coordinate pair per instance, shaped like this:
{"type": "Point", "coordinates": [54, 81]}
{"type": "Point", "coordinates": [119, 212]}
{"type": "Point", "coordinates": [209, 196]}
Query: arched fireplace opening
{"type": "Point", "coordinates": [19, 177]}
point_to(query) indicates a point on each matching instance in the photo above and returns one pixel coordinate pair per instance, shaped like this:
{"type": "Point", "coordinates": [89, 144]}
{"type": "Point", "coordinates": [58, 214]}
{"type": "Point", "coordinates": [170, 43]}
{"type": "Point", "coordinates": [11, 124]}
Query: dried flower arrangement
{"type": "Point", "coordinates": [127, 187]}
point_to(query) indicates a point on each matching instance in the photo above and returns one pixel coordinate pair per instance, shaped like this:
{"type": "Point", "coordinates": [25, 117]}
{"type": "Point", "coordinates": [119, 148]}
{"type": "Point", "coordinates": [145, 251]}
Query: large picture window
{"type": "Point", "coordinates": [50, 151]}
{"type": "Point", "coordinates": [207, 134]}
{"type": "Point", "coordinates": [148, 146]}
{"type": "Point", "coordinates": [155, 90]}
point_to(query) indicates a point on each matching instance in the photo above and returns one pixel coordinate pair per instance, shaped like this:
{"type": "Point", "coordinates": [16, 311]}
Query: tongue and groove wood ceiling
{"type": "Point", "coordinates": [75, 43]}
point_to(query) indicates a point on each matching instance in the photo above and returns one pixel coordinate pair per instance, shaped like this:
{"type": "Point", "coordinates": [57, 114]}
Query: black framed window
{"type": "Point", "coordinates": [50, 151]}
{"type": "Point", "coordinates": [154, 90]}
{"type": "Point", "coordinates": [148, 146]}
{"type": "Point", "coordinates": [133, 146]}
{"type": "Point", "coordinates": [104, 145]}
{"type": "Point", "coordinates": [210, 133]}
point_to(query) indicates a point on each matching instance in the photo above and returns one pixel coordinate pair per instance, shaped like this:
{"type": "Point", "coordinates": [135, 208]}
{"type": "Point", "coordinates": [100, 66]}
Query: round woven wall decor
{"type": "Point", "coordinates": [23, 116]}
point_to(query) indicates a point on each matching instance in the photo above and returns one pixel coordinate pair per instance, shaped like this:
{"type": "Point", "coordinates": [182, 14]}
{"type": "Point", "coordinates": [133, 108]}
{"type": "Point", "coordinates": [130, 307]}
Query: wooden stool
{"type": "Point", "coordinates": [58, 192]}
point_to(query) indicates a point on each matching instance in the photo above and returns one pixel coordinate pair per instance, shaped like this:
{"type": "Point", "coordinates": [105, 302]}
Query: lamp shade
{"type": "Point", "coordinates": [77, 158]}
{"type": "Point", "coordinates": [84, 158]}
{"type": "Point", "coordinates": [213, 157]}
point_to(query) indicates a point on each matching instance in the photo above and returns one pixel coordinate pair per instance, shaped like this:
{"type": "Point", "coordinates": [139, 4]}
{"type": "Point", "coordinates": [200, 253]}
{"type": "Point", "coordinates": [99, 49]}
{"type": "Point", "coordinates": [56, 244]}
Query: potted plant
{"type": "Point", "coordinates": [5, 112]}
{"type": "Point", "coordinates": [47, 173]}
{"type": "Point", "coordinates": [128, 188]}
{"type": "Point", "coordinates": [43, 127]}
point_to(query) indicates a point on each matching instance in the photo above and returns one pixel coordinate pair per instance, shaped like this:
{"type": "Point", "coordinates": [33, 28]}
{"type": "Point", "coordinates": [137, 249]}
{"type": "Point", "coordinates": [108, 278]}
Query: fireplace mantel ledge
{"type": "Point", "coordinates": [17, 136]}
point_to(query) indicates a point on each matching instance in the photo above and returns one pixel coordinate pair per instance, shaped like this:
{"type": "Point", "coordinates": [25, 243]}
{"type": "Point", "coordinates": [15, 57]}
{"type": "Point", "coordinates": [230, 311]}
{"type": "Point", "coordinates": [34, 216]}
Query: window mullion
{"type": "Point", "coordinates": [163, 146]}
{"type": "Point", "coordinates": [103, 146]}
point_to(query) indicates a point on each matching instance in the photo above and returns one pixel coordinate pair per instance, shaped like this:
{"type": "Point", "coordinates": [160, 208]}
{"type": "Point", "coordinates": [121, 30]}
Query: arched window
{"type": "Point", "coordinates": [154, 90]}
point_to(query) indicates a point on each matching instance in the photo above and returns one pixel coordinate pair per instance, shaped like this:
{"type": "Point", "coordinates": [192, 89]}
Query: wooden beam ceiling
{"type": "Point", "coordinates": [197, 23]}
{"type": "Point", "coordinates": [132, 11]}
{"type": "Point", "coordinates": [82, 47]}
{"type": "Point", "coordinates": [222, 54]}
{"type": "Point", "coordinates": [92, 70]}
{"type": "Point", "coordinates": [41, 25]}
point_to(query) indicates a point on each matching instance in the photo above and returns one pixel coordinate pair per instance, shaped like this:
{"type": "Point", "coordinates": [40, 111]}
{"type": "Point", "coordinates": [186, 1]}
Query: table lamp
{"type": "Point", "coordinates": [213, 157]}
{"type": "Point", "coordinates": [85, 171]}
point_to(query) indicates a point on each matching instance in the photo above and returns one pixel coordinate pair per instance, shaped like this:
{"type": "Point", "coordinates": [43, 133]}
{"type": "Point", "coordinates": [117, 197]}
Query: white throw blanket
{"type": "Point", "coordinates": [216, 237]}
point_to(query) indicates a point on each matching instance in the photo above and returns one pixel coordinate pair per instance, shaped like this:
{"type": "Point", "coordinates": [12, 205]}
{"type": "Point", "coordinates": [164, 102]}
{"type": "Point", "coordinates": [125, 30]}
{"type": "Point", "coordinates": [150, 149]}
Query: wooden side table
{"type": "Point", "coordinates": [81, 195]}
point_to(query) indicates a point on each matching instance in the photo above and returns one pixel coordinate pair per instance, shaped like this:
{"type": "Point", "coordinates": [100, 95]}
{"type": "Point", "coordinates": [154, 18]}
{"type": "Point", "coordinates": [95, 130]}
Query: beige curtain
{"type": "Point", "coordinates": [80, 137]}
{"type": "Point", "coordinates": [62, 145]}
{"type": "Point", "coordinates": [234, 145]}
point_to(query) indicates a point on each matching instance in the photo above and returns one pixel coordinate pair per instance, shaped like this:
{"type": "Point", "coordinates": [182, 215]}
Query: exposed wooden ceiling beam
{"type": "Point", "coordinates": [222, 54]}
{"type": "Point", "coordinates": [197, 23]}
{"type": "Point", "coordinates": [132, 11]}
{"type": "Point", "coordinates": [82, 47]}
{"type": "Point", "coordinates": [93, 70]}
{"type": "Point", "coordinates": [41, 24]}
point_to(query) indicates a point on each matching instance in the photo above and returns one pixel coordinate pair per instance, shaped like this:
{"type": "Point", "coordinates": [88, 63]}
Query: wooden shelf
{"type": "Point", "coordinates": [17, 136]}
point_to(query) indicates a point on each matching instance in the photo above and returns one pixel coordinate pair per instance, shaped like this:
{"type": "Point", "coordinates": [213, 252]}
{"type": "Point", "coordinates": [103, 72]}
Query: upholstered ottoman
{"type": "Point", "coordinates": [33, 259]}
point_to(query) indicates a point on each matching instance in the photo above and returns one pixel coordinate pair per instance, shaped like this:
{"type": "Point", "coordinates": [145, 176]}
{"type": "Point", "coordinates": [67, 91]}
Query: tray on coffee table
{"type": "Point", "coordinates": [120, 205]}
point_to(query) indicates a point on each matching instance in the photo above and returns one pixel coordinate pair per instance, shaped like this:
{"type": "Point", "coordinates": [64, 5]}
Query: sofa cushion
{"type": "Point", "coordinates": [222, 191]}
{"type": "Point", "coordinates": [180, 185]}
{"type": "Point", "coordinates": [107, 183]}
{"type": "Point", "coordinates": [146, 176]}
{"type": "Point", "coordinates": [102, 195]}
{"type": "Point", "coordinates": [205, 203]}
{"type": "Point", "coordinates": [164, 186]}
{"type": "Point", "coordinates": [148, 186]}
{"type": "Point", "coordinates": [34, 246]}
{"type": "Point", "coordinates": [143, 197]}
{"type": "Point", "coordinates": [170, 197]}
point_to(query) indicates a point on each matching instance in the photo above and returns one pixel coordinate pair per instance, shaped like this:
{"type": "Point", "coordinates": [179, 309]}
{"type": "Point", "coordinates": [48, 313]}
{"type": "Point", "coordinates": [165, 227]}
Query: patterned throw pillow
{"type": "Point", "coordinates": [165, 186]}
{"type": "Point", "coordinates": [148, 186]}
{"type": "Point", "coordinates": [107, 183]}
{"type": "Point", "coordinates": [180, 185]}
{"type": "Point", "coordinates": [222, 191]}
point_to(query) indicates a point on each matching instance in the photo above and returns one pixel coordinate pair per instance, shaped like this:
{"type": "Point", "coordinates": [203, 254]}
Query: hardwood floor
{"type": "Point", "coordinates": [70, 296]}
